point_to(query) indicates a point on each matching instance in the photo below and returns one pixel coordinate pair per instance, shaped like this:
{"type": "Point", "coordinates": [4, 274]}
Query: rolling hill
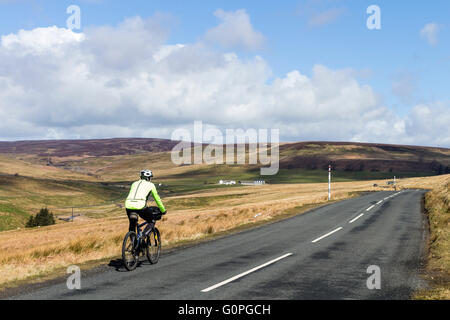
{"type": "Point", "coordinates": [347, 156]}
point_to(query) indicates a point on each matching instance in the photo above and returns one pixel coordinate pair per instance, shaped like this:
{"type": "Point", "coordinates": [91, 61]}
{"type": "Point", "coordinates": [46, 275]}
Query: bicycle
{"type": "Point", "coordinates": [137, 244]}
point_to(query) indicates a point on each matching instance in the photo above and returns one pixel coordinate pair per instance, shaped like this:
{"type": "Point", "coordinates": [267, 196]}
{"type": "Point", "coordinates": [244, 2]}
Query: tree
{"type": "Point", "coordinates": [30, 222]}
{"type": "Point", "coordinates": [43, 218]}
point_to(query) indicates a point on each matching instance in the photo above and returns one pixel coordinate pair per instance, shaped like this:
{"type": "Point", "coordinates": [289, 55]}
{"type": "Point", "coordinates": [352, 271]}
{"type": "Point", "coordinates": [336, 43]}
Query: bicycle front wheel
{"type": "Point", "coordinates": [130, 255]}
{"type": "Point", "coordinates": [153, 248]}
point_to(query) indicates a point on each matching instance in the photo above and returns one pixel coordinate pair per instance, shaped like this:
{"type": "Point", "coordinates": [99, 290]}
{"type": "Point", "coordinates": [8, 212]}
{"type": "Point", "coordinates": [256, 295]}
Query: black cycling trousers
{"type": "Point", "coordinates": [148, 214]}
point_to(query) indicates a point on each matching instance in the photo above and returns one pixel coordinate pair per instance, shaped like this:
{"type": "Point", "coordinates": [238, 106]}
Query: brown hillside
{"type": "Point", "coordinates": [92, 148]}
{"type": "Point", "coordinates": [349, 156]}
{"type": "Point", "coordinates": [343, 156]}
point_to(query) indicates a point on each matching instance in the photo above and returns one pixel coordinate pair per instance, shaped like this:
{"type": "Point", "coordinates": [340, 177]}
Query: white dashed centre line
{"type": "Point", "coordinates": [326, 235]}
{"type": "Point", "coordinates": [370, 208]}
{"type": "Point", "coordinates": [351, 221]}
{"type": "Point", "coordinates": [245, 273]}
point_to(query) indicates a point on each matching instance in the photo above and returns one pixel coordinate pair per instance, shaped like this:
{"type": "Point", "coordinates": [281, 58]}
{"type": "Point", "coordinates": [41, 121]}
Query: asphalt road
{"type": "Point", "coordinates": [322, 254]}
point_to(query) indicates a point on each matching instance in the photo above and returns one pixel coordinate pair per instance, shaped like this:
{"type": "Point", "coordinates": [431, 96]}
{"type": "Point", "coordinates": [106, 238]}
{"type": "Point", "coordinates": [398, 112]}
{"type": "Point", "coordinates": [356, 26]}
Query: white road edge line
{"type": "Point", "coordinates": [326, 235]}
{"type": "Point", "coordinates": [246, 273]}
{"type": "Point", "coordinates": [370, 208]}
{"type": "Point", "coordinates": [351, 221]}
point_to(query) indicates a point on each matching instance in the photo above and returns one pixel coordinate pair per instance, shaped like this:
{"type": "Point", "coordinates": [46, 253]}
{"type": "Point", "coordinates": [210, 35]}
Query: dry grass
{"type": "Point", "coordinates": [434, 182]}
{"type": "Point", "coordinates": [125, 167]}
{"type": "Point", "coordinates": [12, 166]}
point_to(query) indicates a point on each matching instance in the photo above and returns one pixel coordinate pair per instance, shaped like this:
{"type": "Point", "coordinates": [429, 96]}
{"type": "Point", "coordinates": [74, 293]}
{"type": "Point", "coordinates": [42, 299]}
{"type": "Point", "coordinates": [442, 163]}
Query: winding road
{"type": "Point", "coordinates": [326, 253]}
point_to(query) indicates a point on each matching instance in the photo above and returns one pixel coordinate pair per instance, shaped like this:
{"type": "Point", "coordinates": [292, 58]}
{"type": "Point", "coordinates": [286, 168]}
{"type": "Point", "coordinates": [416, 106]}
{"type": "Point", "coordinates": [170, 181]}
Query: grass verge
{"type": "Point", "coordinates": [437, 273]}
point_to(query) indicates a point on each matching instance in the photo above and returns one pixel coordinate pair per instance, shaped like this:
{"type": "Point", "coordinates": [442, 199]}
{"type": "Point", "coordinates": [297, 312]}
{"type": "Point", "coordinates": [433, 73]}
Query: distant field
{"type": "Point", "coordinates": [93, 176]}
{"type": "Point", "coordinates": [21, 196]}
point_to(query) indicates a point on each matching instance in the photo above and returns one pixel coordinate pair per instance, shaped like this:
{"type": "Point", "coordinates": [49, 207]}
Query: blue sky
{"type": "Point", "coordinates": [403, 68]}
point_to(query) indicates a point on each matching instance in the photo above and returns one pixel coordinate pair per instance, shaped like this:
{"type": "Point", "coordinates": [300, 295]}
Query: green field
{"type": "Point", "coordinates": [22, 196]}
{"type": "Point", "coordinates": [11, 217]}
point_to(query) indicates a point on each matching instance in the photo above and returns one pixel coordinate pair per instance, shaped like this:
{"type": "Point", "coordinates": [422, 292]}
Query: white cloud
{"type": "Point", "coordinates": [429, 124]}
{"type": "Point", "coordinates": [235, 31]}
{"type": "Point", "coordinates": [38, 41]}
{"type": "Point", "coordinates": [430, 33]}
{"type": "Point", "coordinates": [128, 81]}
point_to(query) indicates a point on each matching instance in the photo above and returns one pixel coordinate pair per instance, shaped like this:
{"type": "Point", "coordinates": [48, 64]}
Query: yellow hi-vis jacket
{"type": "Point", "coordinates": [139, 193]}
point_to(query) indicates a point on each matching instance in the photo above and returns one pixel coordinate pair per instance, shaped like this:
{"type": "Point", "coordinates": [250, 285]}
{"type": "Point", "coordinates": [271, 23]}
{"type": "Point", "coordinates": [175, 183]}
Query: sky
{"type": "Point", "coordinates": [310, 68]}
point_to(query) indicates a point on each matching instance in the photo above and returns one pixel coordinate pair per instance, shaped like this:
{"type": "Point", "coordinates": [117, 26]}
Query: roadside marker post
{"type": "Point", "coordinates": [329, 182]}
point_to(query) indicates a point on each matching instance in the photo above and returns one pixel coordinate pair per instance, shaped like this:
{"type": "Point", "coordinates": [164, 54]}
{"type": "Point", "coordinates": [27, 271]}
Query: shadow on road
{"type": "Point", "coordinates": [118, 265]}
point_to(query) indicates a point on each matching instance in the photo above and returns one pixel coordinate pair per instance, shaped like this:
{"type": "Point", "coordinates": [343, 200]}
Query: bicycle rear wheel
{"type": "Point", "coordinates": [153, 248]}
{"type": "Point", "coordinates": [130, 255]}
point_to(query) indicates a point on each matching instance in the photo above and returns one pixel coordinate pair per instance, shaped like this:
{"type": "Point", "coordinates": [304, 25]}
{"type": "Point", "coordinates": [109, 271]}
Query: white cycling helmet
{"type": "Point", "coordinates": [146, 174]}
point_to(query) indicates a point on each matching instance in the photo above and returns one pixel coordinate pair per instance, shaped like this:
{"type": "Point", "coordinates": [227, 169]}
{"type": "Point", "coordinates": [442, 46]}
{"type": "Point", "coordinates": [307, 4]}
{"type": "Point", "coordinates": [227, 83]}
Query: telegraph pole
{"type": "Point", "coordinates": [329, 182]}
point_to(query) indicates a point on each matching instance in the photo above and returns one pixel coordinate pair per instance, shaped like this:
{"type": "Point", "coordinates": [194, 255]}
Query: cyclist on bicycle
{"type": "Point", "coordinates": [136, 203]}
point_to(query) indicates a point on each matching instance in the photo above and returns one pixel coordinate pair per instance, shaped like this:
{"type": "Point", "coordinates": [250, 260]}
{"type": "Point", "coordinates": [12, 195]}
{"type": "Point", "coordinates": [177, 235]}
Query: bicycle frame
{"type": "Point", "coordinates": [139, 231]}
{"type": "Point", "coordinates": [139, 227]}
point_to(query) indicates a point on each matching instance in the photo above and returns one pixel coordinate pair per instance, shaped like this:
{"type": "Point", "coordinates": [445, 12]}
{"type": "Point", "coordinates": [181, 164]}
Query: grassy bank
{"type": "Point", "coordinates": [437, 206]}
